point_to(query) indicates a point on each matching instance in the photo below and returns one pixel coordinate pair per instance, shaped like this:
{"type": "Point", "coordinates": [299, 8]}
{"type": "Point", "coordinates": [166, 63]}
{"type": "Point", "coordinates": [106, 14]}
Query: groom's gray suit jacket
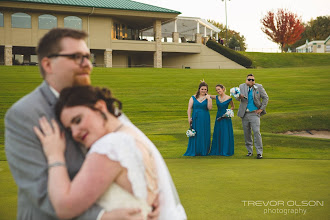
{"type": "Point", "coordinates": [27, 161]}
{"type": "Point", "coordinates": [258, 94]}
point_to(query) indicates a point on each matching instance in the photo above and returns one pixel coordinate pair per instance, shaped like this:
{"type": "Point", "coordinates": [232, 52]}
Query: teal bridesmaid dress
{"type": "Point", "coordinates": [223, 135]}
{"type": "Point", "coordinates": [199, 145]}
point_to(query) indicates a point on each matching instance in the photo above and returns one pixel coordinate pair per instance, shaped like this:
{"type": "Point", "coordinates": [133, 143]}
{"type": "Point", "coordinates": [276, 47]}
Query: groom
{"type": "Point", "coordinates": [63, 61]}
{"type": "Point", "coordinates": [250, 109]}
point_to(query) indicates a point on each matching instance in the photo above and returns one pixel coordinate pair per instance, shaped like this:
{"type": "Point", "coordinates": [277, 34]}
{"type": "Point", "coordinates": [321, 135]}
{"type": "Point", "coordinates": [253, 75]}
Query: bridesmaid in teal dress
{"type": "Point", "coordinates": [200, 104]}
{"type": "Point", "coordinates": [223, 136]}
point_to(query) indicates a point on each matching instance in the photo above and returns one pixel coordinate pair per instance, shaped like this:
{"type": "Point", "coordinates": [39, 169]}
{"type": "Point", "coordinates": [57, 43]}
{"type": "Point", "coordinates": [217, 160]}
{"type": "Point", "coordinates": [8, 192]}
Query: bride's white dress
{"type": "Point", "coordinates": [116, 197]}
{"type": "Point", "coordinates": [122, 146]}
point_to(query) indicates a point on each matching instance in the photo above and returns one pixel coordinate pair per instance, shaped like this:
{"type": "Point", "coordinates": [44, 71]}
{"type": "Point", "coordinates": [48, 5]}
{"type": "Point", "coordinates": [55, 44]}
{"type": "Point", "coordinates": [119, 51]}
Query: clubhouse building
{"type": "Point", "coordinates": [122, 33]}
{"type": "Point", "coordinates": [316, 46]}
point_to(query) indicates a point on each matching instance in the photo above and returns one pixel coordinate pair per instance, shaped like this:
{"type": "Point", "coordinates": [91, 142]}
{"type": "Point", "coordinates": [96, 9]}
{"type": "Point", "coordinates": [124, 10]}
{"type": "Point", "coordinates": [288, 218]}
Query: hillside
{"type": "Point", "coordinates": [280, 60]}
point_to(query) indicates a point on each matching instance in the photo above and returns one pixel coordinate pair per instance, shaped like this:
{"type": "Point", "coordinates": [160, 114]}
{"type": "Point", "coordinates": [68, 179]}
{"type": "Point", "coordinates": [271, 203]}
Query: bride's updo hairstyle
{"type": "Point", "coordinates": [87, 96]}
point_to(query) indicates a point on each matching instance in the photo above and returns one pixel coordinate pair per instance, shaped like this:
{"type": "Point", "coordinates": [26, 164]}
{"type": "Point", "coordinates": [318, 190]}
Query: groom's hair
{"type": "Point", "coordinates": [249, 75]}
{"type": "Point", "coordinates": [50, 43]}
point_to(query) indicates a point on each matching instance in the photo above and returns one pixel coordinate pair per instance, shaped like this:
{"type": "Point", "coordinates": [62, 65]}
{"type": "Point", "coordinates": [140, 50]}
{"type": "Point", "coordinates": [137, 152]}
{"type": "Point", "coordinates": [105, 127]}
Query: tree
{"type": "Point", "coordinates": [239, 38]}
{"type": "Point", "coordinates": [284, 28]}
{"type": "Point", "coordinates": [233, 43]}
{"type": "Point", "coordinates": [318, 29]}
{"type": "Point", "coordinates": [315, 29]}
{"type": "Point", "coordinates": [230, 33]}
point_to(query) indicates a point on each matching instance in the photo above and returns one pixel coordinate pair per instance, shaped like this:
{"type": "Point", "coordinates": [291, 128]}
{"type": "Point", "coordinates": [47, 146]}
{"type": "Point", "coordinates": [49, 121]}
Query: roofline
{"type": "Point", "coordinates": [200, 20]}
{"type": "Point", "coordinates": [203, 21]}
{"type": "Point", "coordinates": [326, 40]}
{"type": "Point", "coordinates": [169, 11]}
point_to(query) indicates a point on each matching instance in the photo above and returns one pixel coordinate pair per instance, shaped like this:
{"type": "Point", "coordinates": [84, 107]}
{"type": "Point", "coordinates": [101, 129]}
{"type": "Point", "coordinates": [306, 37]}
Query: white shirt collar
{"type": "Point", "coordinates": [56, 93]}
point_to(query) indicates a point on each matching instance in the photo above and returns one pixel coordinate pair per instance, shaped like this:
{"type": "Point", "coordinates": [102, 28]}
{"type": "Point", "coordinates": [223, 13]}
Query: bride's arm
{"type": "Point", "coordinates": [70, 199]}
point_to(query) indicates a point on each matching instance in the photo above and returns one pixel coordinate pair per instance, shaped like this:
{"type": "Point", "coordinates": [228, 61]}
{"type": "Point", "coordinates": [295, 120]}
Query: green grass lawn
{"type": "Point", "coordinates": [216, 188]}
{"type": "Point", "coordinates": [156, 100]}
{"type": "Point", "coordinates": [281, 60]}
{"type": "Point", "coordinates": [213, 188]}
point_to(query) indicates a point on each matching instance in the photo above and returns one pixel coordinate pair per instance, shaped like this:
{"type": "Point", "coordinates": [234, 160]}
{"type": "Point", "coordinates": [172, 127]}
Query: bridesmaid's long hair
{"type": "Point", "coordinates": [199, 87]}
{"type": "Point", "coordinates": [87, 96]}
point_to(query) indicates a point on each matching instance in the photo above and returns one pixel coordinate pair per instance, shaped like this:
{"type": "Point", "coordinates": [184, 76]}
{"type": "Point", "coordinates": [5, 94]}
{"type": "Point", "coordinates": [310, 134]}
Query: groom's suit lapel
{"type": "Point", "coordinates": [246, 90]}
{"type": "Point", "coordinates": [255, 92]}
{"type": "Point", "coordinates": [74, 155]}
{"type": "Point", "coordinates": [47, 93]}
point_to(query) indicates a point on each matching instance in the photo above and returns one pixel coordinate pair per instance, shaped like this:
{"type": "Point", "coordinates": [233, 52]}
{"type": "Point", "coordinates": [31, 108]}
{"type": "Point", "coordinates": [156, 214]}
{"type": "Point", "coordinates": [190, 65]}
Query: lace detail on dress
{"type": "Point", "coordinates": [169, 201]}
{"type": "Point", "coordinates": [121, 147]}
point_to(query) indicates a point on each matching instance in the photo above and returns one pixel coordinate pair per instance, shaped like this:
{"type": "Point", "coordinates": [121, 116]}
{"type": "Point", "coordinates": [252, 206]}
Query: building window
{"type": "Point", "coordinates": [73, 22]}
{"type": "Point", "coordinates": [47, 21]}
{"type": "Point", "coordinates": [124, 32]}
{"type": "Point", "coordinates": [20, 20]}
{"type": "Point", "coordinates": [116, 31]}
{"type": "Point", "coordinates": [1, 19]}
{"type": "Point", "coordinates": [327, 48]}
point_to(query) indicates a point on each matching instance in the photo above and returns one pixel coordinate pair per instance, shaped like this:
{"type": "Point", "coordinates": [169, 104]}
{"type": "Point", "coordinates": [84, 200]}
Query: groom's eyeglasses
{"type": "Point", "coordinates": [250, 80]}
{"type": "Point", "coordinates": [77, 57]}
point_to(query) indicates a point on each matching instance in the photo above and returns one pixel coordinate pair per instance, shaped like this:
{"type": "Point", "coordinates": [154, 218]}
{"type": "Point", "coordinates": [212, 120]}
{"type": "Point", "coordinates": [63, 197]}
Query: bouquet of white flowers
{"type": "Point", "coordinates": [190, 132]}
{"type": "Point", "coordinates": [235, 91]}
{"type": "Point", "coordinates": [229, 114]}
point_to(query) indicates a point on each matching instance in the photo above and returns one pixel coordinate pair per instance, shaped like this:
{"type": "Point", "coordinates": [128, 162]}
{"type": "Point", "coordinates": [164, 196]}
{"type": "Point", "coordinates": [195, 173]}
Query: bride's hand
{"type": "Point", "coordinates": [51, 138]}
{"type": "Point", "coordinates": [156, 210]}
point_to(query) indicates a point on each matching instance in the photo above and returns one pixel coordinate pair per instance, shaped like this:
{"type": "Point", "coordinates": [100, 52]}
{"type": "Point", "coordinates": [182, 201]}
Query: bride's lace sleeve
{"type": "Point", "coordinates": [121, 147]}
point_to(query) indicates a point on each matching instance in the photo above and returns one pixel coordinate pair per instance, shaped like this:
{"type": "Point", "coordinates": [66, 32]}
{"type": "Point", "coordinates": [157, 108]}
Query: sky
{"type": "Point", "coordinates": [244, 16]}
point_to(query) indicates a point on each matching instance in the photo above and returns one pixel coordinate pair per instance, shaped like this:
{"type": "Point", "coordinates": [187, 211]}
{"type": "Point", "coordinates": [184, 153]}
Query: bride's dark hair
{"type": "Point", "coordinates": [87, 96]}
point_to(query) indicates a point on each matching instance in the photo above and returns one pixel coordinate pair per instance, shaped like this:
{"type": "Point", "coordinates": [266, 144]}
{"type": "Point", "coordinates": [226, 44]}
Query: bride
{"type": "Point", "coordinates": [122, 169]}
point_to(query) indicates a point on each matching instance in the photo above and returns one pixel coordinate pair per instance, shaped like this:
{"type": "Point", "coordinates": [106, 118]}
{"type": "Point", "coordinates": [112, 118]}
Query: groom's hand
{"type": "Point", "coordinates": [155, 211]}
{"type": "Point", "coordinates": [258, 112]}
{"type": "Point", "coordinates": [123, 214]}
{"type": "Point", "coordinates": [241, 96]}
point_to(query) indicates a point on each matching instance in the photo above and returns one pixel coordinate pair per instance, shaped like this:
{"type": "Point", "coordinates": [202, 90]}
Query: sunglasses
{"type": "Point", "coordinates": [250, 80]}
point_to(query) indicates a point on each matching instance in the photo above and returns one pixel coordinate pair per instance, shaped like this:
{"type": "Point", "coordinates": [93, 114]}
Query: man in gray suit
{"type": "Point", "coordinates": [250, 109]}
{"type": "Point", "coordinates": [63, 61]}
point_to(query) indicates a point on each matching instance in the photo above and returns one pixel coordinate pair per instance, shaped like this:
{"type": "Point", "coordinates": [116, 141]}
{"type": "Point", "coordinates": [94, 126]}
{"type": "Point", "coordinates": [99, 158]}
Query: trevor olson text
{"type": "Point", "coordinates": [280, 203]}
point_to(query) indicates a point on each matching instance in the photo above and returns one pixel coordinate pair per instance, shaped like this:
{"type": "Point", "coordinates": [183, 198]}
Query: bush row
{"type": "Point", "coordinates": [229, 53]}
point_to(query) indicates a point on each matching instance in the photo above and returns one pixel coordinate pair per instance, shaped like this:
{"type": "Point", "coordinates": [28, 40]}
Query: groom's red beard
{"type": "Point", "coordinates": [82, 79]}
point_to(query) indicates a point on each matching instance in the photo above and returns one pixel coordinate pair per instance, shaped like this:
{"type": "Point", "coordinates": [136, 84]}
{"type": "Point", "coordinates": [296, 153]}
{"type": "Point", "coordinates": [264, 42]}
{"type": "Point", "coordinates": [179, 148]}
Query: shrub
{"type": "Point", "coordinates": [229, 53]}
